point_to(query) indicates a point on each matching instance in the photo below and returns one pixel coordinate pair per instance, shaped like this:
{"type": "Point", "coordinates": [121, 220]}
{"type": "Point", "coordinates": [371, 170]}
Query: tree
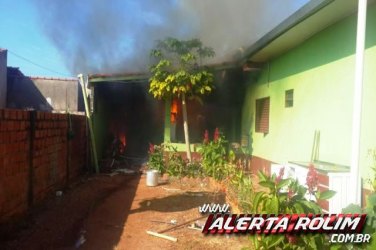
{"type": "Point", "coordinates": [178, 73]}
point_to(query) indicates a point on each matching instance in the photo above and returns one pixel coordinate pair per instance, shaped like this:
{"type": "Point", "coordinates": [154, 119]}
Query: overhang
{"type": "Point", "coordinates": [313, 17]}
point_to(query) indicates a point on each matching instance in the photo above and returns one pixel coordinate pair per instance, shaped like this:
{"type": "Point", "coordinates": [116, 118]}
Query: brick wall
{"type": "Point", "coordinates": [38, 155]}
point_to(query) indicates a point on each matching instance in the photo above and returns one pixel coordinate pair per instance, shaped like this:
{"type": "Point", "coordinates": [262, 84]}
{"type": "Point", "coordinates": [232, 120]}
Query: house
{"type": "Point", "coordinates": [3, 77]}
{"type": "Point", "coordinates": [52, 94]}
{"type": "Point", "coordinates": [122, 107]}
{"type": "Point", "coordinates": [288, 101]}
{"type": "Point", "coordinates": [300, 107]}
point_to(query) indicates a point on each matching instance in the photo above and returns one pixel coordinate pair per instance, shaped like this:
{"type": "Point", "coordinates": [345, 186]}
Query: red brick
{"type": "Point", "coordinates": [17, 125]}
{"type": "Point", "coordinates": [26, 115]}
{"type": "Point", "coordinates": [22, 125]}
{"type": "Point", "coordinates": [19, 115]}
{"type": "Point", "coordinates": [2, 149]}
{"type": "Point", "coordinates": [23, 135]}
{"type": "Point", "coordinates": [13, 114]}
{"type": "Point", "coordinates": [6, 114]}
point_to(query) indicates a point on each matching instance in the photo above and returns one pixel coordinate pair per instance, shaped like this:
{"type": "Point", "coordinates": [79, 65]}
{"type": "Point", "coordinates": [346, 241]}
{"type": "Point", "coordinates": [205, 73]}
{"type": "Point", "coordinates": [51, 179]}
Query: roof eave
{"type": "Point", "coordinates": [299, 16]}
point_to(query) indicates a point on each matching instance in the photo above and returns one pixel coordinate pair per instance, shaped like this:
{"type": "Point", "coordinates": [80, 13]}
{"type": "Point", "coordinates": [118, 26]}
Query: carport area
{"type": "Point", "coordinates": [123, 111]}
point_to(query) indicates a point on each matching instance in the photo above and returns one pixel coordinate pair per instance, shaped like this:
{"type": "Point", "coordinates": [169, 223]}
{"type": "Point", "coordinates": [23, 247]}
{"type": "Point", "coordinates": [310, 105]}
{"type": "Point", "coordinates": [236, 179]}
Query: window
{"type": "Point", "coordinates": [289, 98]}
{"type": "Point", "coordinates": [262, 115]}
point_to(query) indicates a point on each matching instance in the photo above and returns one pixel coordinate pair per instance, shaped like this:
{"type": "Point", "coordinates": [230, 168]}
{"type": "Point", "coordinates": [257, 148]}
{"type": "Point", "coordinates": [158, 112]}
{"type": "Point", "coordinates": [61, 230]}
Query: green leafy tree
{"type": "Point", "coordinates": [178, 73]}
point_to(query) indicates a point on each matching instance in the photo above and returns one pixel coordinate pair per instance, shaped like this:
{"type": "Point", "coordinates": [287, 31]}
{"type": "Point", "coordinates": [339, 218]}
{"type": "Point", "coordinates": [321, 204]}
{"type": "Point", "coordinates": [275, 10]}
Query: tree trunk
{"type": "Point", "coordinates": [186, 132]}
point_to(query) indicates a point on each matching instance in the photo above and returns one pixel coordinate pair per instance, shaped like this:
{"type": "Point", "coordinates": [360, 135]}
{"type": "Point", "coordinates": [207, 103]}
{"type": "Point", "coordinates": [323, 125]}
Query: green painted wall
{"type": "Point", "coordinates": [321, 72]}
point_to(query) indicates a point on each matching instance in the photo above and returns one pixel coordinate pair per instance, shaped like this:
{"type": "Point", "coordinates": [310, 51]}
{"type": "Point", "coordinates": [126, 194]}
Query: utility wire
{"type": "Point", "coordinates": [38, 65]}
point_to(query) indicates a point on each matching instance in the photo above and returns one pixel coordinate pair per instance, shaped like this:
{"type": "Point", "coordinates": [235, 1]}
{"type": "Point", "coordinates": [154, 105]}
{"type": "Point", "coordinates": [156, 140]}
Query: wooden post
{"type": "Point", "coordinates": [30, 193]}
{"type": "Point", "coordinates": [186, 131]}
{"type": "Point", "coordinates": [90, 123]}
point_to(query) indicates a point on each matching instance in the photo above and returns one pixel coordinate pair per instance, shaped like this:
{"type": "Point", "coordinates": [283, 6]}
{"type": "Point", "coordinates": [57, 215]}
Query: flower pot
{"type": "Point", "coordinates": [152, 177]}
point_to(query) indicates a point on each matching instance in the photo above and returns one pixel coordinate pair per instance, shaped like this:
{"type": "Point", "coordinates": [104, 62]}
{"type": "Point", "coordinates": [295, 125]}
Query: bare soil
{"type": "Point", "coordinates": [115, 213]}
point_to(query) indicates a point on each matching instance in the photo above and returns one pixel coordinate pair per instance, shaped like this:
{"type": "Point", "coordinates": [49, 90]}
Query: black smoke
{"type": "Point", "coordinates": [113, 36]}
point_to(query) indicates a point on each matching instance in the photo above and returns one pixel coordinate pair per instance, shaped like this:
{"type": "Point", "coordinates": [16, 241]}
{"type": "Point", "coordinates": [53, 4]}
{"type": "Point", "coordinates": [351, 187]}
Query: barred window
{"type": "Point", "coordinates": [262, 115]}
{"type": "Point", "coordinates": [289, 98]}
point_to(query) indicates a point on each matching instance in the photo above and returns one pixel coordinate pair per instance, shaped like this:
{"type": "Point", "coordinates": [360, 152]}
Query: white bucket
{"type": "Point", "coordinates": [152, 178]}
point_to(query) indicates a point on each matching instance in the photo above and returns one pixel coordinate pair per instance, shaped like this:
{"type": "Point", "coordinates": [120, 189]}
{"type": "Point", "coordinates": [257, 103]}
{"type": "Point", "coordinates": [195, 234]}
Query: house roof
{"type": "Point", "coordinates": [118, 78]}
{"type": "Point", "coordinates": [310, 19]}
{"type": "Point", "coordinates": [307, 21]}
{"type": "Point", "coordinates": [65, 79]}
{"type": "Point", "coordinates": [15, 72]}
{"type": "Point", "coordinates": [143, 76]}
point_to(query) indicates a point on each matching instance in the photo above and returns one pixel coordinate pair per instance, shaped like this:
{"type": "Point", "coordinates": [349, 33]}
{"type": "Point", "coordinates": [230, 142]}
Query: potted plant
{"type": "Point", "coordinates": [156, 165]}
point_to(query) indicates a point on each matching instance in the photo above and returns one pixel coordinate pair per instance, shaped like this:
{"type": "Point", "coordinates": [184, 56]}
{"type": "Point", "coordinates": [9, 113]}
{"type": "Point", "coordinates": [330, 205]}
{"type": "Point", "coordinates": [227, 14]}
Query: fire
{"type": "Point", "coordinates": [123, 142]}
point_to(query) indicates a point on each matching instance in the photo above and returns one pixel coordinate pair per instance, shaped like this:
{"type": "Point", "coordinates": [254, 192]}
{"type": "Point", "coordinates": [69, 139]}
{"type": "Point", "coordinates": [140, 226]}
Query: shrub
{"type": "Point", "coordinates": [156, 160]}
{"type": "Point", "coordinates": [175, 163]}
{"type": "Point", "coordinates": [166, 159]}
{"type": "Point", "coordinates": [287, 196]}
{"type": "Point", "coordinates": [370, 210]}
{"type": "Point", "coordinates": [214, 155]}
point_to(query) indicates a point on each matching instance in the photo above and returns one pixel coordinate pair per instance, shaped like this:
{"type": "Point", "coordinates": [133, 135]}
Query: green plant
{"type": "Point", "coordinates": [214, 156]}
{"type": "Point", "coordinates": [240, 185]}
{"type": "Point", "coordinates": [175, 164]}
{"type": "Point", "coordinates": [370, 210]}
{"type": "Point", "coordinates": [372, 182]}
{"type": "Point", "coordinates": [156, 159]}
{"type": "Point", "coordinates": [194, 169]}
{"type": "Point", "coordinates": [287, 196]}
{"type": "Point", "coordinates": [177, 73]}
{"type": "Point", "coordinates": [166, 159]}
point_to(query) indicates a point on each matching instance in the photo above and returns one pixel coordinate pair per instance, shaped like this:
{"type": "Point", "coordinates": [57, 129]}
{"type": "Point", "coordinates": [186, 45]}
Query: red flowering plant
{"type": "Point", "coordinates": [151, 148]}
{"type": "Point", "coordinates": [280, 175]}
{"type": "Point", "coordinates": [214, 155]}
{"type": "Point", "coordinates": [206, 137]}
{"type": "Point", "coordinates": [217, 135]}
{"type": "Point", "coordinates": [287, 196]}
{"type": "Point", "coordinates": [312, 182]}
{"type": "Point", "coordinates": [312, 179]}
{"type": "Point", "coordinates": [156, 159]}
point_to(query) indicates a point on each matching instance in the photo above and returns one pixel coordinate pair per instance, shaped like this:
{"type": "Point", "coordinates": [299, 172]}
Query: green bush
{"type": "Point", "coordinates": [166, 159]}
{"type": "Point", "coordinates": [370, 210]}
{"type": "Point", "coordinates": [156, 159]}
{"type": "Point", "coordinates": [287, 196]}
{"type": "Point", "coordinates": [214, 156]}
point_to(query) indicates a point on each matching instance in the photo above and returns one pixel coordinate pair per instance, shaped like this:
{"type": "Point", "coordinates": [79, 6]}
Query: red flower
{"type": "Point", "coordinates": [216, 135]}
{"type": "Point", "coordinates": [280, 175]}
{"type": "Point", "coordinates": [206, 137]}
{"type": "Point", "coordinates": [292, 239]}
{"type": "Point", "coordinates": [312, 179]}
{"type": "Point", "coordinates": [290, 194]}
{"type": "Point", "coordinates": [151, 148]}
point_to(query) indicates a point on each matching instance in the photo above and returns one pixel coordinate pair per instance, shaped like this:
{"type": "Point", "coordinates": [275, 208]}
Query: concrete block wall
{"type": "Point", "coordinates": [37, 157]}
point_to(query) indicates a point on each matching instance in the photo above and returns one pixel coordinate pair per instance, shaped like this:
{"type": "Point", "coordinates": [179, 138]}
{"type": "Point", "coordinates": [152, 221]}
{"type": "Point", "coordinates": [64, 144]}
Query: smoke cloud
{"type": "Point", "coordinates": [99, 36]}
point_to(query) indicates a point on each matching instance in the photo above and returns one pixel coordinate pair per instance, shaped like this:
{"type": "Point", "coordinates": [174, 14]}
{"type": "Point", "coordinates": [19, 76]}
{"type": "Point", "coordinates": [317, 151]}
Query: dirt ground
{"type": "Point", "coordinates": [103, 212]}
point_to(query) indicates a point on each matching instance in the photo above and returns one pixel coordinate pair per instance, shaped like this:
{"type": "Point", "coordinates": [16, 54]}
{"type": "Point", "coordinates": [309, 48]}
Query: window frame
{"type": "Point", "coordinates": [262, 115]}
{"type": "Point", "coordinates": [289, 98]}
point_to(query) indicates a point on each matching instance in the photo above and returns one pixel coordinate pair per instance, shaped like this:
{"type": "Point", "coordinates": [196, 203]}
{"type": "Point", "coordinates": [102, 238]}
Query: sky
{"type": "Point", "coordinates": [63, 38]}
{"type": "Point", "coordinates": [22, 35]}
